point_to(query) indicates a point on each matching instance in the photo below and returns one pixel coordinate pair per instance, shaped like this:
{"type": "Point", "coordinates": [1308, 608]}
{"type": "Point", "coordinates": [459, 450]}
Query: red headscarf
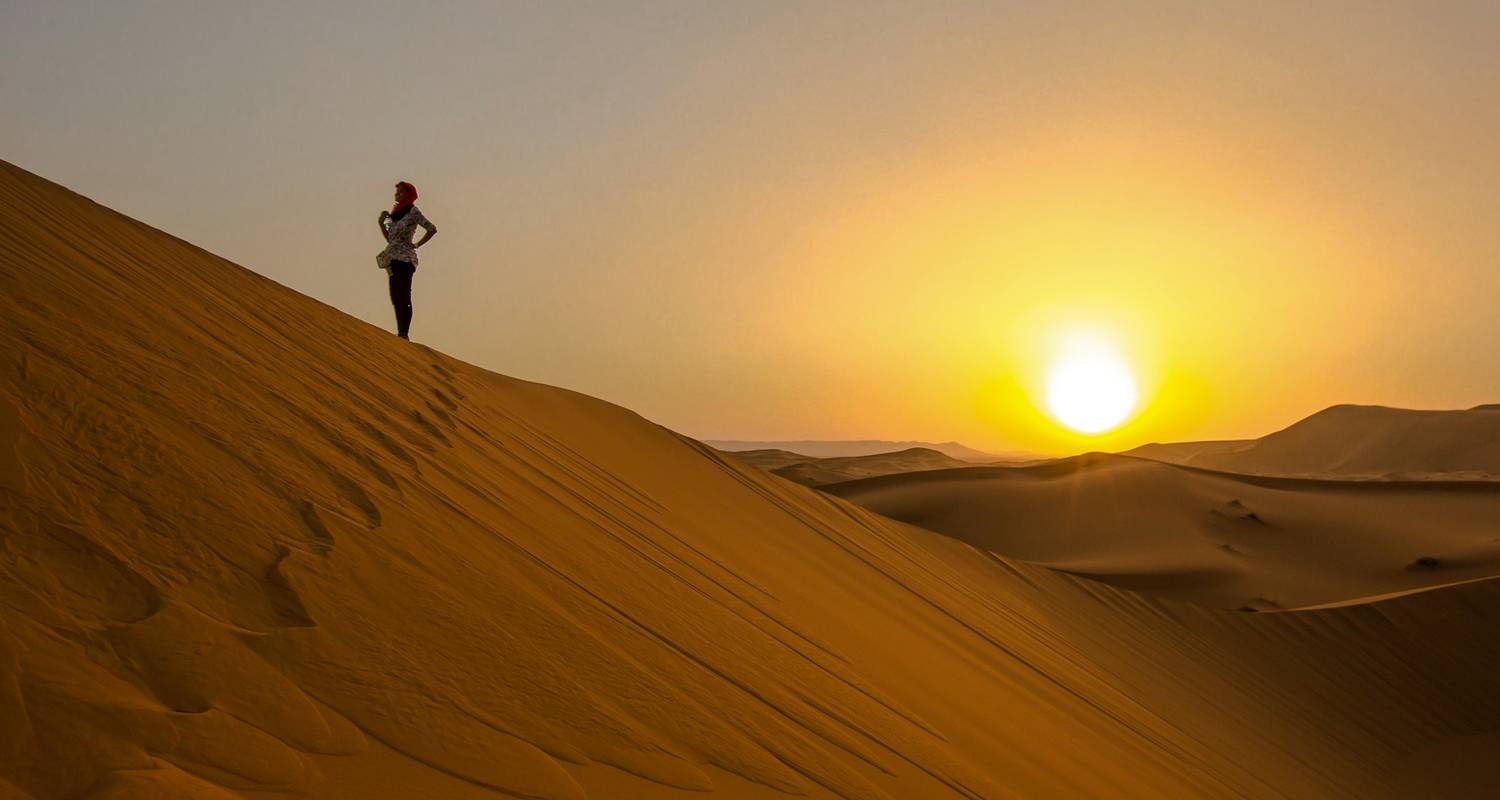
{"type": "Point", "coordinates": [406, 194]}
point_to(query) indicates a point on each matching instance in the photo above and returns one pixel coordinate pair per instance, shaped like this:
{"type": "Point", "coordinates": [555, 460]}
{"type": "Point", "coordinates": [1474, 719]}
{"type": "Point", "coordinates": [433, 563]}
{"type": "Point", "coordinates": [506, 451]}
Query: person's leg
{"type": "Point", "coordinates": [405, 320]}
{"type": "Point", "coordinates": [401, 273]}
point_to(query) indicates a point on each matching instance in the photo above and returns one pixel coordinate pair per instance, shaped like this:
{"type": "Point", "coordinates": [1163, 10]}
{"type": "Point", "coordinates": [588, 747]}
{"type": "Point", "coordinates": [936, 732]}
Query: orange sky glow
{"type": "Point", "coordinates": [836, 221]}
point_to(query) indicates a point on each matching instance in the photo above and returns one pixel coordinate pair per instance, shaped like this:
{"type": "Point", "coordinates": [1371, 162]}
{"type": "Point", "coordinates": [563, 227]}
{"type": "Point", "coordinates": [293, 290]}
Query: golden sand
{"type": "Point", "coordinates": [252, 547]}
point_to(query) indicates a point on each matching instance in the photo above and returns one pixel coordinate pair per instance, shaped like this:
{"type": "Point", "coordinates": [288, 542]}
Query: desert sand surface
{"type": "Point", "coordinates": [1367, 442]}
{"type": "Point", "coordinates": [810, 471]}
{"type": "Point", "coordinates": [251, 547]}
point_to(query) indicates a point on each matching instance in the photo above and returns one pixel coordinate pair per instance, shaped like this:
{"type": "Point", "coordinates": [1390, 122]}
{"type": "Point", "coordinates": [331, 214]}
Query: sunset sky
{"type": "Point", "coordinates": [831, 220]}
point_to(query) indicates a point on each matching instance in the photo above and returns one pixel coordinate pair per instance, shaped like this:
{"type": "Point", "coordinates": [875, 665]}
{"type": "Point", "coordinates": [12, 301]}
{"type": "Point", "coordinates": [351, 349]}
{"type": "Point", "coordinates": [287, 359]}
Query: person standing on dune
{"type": "Point", "coordinates": [399, 258]}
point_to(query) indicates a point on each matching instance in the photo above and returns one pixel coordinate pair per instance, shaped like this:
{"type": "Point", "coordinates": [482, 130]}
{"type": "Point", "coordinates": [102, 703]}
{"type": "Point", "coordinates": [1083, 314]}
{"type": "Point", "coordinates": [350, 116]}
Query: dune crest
{"type": "Point", "coordinates": [810, 471]}
{"type": "Point", "coordinates": [1371, 442]}
{"type": "Point", "coordinates": [252, 547]}
{"type": "Point", "coordinates": [863, 447]}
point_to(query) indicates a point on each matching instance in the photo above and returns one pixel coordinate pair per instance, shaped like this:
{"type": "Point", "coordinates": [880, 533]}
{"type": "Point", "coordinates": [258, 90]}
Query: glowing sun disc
{"type": "Point", "coordinates": [1091, 391]}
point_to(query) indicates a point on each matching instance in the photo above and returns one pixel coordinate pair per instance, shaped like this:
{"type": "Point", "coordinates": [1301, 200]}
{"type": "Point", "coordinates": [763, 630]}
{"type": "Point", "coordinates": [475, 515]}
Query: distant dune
{"type": "Point", "coordinates": [866, 447]}
{"type": "Point", "coordinates": [1359, 441]}
{"type": "Point", "coordinates": [1185, 452]}
{"type": "Point", "coordinates": [819, 471]}
{"type": "Point", "coordinates": [771, 460]}
{"type": "Point", "coordinates": [251, 547]}
{"type": "Point", "coordinates": [1220, 539]}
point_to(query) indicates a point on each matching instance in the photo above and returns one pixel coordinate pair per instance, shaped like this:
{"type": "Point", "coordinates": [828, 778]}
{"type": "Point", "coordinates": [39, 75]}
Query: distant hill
{"type": "Point", "coordinates": [1358, 441]}
{"type": "Point", "coordinates": [867, 447]}
{"type": "Point", "coordinates": [1185, 452]}
{"type": "Point", "coordinates": [822, 471]}
{"type": "Point", "coordinates": [771, 460]}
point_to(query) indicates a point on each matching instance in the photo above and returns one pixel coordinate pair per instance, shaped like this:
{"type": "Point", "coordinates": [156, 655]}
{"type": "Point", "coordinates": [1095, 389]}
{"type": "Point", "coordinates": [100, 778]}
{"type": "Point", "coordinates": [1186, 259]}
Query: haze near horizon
{"type": "Point", "coordinates": [841, 221]}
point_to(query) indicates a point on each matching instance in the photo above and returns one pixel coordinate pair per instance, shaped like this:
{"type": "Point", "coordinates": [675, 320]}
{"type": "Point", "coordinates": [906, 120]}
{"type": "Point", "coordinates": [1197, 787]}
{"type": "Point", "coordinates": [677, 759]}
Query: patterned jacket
{"type": "Point", "coordinates": [398, 233]}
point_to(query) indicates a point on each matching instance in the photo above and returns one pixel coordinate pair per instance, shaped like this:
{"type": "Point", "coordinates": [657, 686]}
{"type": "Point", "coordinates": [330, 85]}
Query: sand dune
{"type": "Point", "coordinates": [770, 460]}
{"type": "Point", "coordinates": [1362, 442]}
{"type": "Point", "coordinates": [863, 447]}
{"type": "Point", "coordinates": [251, 547]}
{"type": "Point", "coordinates": [810, 471]}
{"type": "Point", "coordinates": [1185, 452]}
{"type": "Point", "coordinates": [1214, 538]}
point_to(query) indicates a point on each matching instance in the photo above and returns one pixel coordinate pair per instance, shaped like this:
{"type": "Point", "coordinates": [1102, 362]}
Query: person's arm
{"type": "Point", "coordinates": [431, 229]}
{"type": "Point", "coordinates": [384, 215]}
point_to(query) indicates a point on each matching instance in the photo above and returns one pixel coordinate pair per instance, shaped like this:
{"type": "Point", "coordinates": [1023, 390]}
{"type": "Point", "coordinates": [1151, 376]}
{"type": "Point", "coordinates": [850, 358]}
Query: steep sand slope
{"type": "Point", "coordinates": [1235, 541]}
{"type": "Point", "coordinates": [1360, 441]}
{"type": "Point", "coordinates": [810, 471]}
{"type": "Point", "coordinates": [251, 547]}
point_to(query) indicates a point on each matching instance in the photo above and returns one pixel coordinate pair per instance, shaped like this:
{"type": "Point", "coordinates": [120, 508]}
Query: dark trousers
{"type": "Point", "coordinates": [401, 273]}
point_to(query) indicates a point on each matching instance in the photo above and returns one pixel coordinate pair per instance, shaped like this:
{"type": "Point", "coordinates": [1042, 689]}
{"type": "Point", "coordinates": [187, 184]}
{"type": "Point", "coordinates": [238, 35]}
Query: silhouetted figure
{"type": "Point", "coordinates": [399, 258]}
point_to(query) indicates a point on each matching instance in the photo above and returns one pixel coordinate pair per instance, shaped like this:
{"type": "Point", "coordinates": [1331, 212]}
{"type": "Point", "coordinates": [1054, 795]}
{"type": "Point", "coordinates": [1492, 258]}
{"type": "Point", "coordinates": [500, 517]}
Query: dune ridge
{"type": "Point", "coordinates": [810, 471]}
{"type": "Point", "coordinates": [862, 447]}
{"type": "Point", "coordinates": [1360, 441]}
{"type": "Point", "coordinates": [770, 459]}
{"type": "Point", "coordinates": [252, 547]}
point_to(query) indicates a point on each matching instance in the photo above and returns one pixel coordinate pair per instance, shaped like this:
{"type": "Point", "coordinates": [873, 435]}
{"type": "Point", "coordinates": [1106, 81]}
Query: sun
{"type": "Point", "coordinates": [1090, 388]}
